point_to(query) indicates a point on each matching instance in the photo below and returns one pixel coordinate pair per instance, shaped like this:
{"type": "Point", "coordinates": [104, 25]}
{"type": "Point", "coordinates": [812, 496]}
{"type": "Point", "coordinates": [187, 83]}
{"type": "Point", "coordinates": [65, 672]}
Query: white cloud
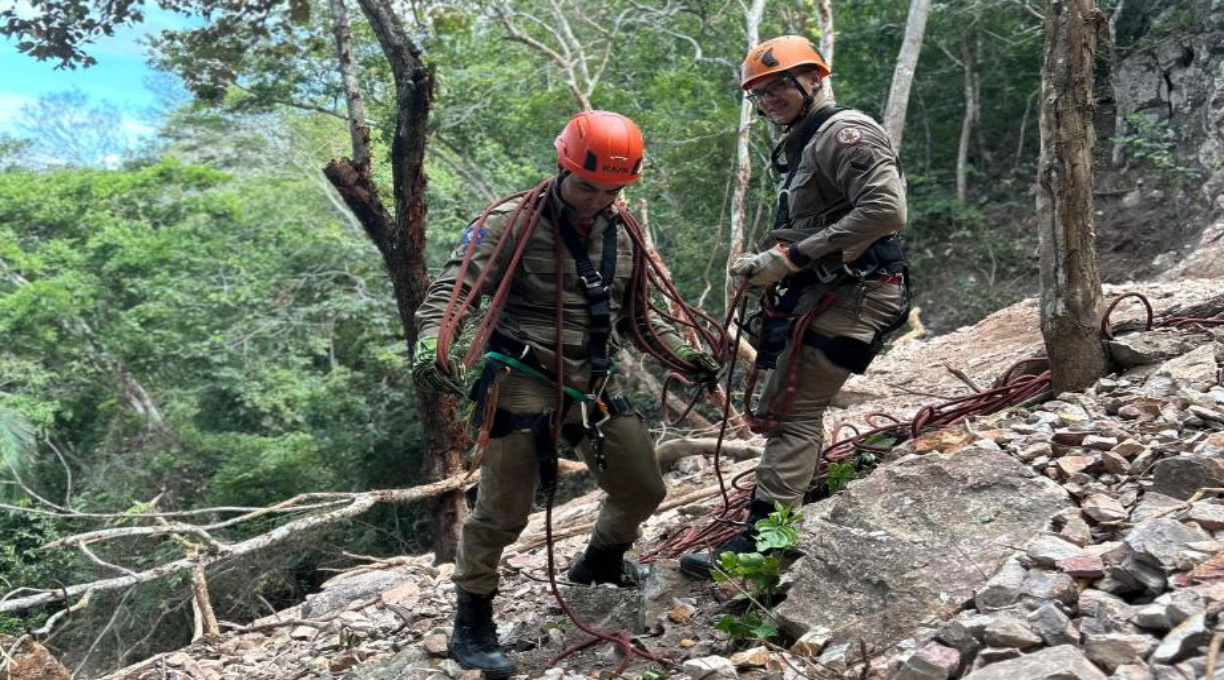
{"type": "Point", "coordinates": [135, 128]}
{"type": "Point", "coordinates": [10, 105]}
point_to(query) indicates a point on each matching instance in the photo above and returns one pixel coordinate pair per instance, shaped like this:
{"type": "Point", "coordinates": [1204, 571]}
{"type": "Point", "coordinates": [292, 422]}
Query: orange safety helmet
{"type": "Point", "coordinates": [601, 146]}
{"type": "Point", "coordinates": [779, 55]}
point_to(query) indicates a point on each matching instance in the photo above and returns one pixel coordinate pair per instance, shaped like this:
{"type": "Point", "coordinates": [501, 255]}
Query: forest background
{"type": "Point", "coordinates": [200, 321]}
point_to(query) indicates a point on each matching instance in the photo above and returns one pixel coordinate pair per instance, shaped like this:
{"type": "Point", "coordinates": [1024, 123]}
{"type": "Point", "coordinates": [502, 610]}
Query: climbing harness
{"type": "Point", "coordinates": [503, 354]}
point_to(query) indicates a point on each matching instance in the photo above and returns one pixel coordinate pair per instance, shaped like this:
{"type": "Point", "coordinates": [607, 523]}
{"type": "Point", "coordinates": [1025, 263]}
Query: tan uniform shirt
{"type": "Point", "coordinates": [847, 191]}
{"type": "Point", "coordinates": [529, 313]}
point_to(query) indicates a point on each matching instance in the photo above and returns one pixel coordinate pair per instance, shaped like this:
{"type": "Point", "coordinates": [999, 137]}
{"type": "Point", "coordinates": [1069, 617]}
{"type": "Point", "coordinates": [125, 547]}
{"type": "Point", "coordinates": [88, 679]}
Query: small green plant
{"type": "Point", "coordinates": [349, 639]}
{"type": "Point", "coordinates": [750, 626]}
{"type": "Point", "coordinates": [840, 475]}
{"type": "Point", "coordinates": [757, 575]}
{"type": "Point", "coordinates": [1151, 145]}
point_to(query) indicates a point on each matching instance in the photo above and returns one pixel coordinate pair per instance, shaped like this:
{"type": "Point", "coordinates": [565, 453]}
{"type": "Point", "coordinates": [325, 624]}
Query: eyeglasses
{"type": "Point", "coordinates": [774, 89]}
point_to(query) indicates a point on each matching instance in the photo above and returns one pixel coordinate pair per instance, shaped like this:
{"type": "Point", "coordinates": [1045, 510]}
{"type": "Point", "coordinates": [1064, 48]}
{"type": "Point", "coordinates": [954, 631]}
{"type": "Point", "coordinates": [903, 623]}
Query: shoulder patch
{"type": "Point", "coordinates": [467, 234]}
{"type": "Point", "coordinates": [849, 136]}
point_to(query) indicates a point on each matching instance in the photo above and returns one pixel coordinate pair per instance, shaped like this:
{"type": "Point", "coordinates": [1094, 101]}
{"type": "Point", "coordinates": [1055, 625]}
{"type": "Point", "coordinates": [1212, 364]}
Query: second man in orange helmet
{"type": "Point", "coordinates": [833, 274]}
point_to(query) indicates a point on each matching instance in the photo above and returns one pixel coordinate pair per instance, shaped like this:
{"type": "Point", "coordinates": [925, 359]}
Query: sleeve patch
{"type": "Point", "coordinates": [849, 136]}
{"type": "Point", "coordinates": [467, 235]}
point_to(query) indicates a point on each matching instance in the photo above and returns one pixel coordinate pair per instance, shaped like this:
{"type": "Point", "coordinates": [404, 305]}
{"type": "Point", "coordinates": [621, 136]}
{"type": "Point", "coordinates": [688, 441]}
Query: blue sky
{"type": "Point", "coordinates": [119, 77]}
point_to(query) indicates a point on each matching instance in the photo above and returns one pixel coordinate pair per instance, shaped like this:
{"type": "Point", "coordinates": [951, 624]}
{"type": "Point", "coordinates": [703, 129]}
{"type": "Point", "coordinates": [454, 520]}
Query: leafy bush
{"type": "Point", "coordinates": [1152, 145]}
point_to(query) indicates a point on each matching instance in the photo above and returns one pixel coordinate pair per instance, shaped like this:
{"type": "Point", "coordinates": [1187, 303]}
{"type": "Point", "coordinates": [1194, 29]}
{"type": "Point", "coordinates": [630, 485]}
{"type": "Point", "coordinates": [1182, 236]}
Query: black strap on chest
{"type": "Point", "coordinates": [597, 285]}
{"type": "Point", "coordinates": [807, 131]}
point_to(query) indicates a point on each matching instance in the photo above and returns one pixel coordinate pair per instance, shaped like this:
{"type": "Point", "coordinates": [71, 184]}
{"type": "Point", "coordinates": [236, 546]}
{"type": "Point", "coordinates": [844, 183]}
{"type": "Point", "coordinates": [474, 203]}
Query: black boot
{"type": "Point", "coordinates": [605, 565]}
{"type": "Point", "coordinates": [473, 644]}
{"type": "Point", "coordinates": [701, 564]}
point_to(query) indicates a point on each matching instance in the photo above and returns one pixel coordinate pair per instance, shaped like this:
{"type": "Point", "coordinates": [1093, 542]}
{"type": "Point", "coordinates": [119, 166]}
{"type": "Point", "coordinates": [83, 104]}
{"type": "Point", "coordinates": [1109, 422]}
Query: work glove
{"type": "Point", "coordinates": [764, 268]}
{"type": "Point", "coordinates": [427, 374]}
{"type": "Point", "coordinates": [705, 367]}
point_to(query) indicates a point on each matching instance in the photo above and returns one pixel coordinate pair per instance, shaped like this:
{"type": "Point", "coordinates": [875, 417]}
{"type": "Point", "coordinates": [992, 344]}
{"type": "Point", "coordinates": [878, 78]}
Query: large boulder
{"type": "Point", "coordinates": [912, 542]}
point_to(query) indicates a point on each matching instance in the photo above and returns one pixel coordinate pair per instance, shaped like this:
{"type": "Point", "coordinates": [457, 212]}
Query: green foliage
{"type": "Point", "coordinates": [1153, 145]}
{"type": "Point", "coordinates": [21, 562]}
{"type": "Point", "coordinates": [750, 626]}
{"type": "Point", "coordinates": [757, 575]}
{"type": "Point", "coordinates": [17, 447]}
{"type": "Point", "coordinates": [777, 532]}
{"type": "Point", "coordinates": [840, 475]}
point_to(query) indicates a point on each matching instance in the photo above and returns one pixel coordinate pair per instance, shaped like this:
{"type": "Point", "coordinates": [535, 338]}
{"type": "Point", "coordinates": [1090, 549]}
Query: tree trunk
{"type": "Point", "coordinates": [1071, 300]}
{"type": "Point", "coordinates": [970, 117]}
{"type": "Point", "coordinates": [401, 241]}
{"type": "Point", "coordinates": [828, 38]}
{"type": "Point", "coordinates": [743, 159]}
{"type": "Point", "coordinates": [903, 75]}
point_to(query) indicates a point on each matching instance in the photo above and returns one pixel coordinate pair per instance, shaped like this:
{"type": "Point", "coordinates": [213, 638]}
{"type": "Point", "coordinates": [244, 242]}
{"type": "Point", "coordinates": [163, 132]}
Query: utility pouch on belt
{"type": "Point", "coordinates": [774, 333]}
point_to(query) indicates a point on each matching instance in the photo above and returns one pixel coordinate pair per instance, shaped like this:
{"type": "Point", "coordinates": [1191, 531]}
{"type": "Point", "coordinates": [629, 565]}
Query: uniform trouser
{"type": "Point", "coordinates": [793, 446]}
{"type": "Point", "coordinates": [509, 477]}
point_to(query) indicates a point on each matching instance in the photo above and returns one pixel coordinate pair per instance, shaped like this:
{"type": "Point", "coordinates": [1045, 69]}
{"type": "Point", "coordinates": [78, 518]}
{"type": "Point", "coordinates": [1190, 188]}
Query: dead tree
{"type": "Point", "coordinates": [400, 238]}
{"type": "Point", "coordinates": [743, 159]}
{"type": "Point", "coordinates": [1071, 299]}
{"type": "Point", "coordinates": [903, 74]}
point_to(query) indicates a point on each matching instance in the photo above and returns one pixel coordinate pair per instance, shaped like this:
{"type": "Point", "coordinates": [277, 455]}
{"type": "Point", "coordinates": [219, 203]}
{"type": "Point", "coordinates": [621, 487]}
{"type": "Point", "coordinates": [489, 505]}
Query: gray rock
{"type": "Point", "coordinates": [1129, 448]}
{"type": "Point", "coordinates": [1036, 450]}
{"type": "Point", "coordinates": [836, 657]}
{"type": "Point", "coordinates": [991, 655]}
{"type": "Point", "coordinates": [1003, 588]}
{"type": "Point", "coordinates": [1063, 662]}
{"type": "Point", "coordinates": [1154, 616]}
{"type": "Point", "coordinates": [1010, 632]}
{"type": "Point", "coordinates": [1115, 463]}
{"type": "Point", "coordinates": [1104, 508]}
{"type": "Point", "coordinates": [710, 667]}
{"type": "Point", "coordinates": [1152, 504]}
{"type": "Point", "coordinates": [1099, 443]}
{"type": "Point", "coordinates": [1114, 613]}
{"type": "Point", "coordinates": [1045, 550]}
{"type": "Point", "coordinates": [604, 608]}
{"type": "Point", "coordinates": [1044, 585]}
{"type": "Point", "coordinates": [1075, 530]}
{"type": "Point", "coordinates": [931, 662]}
{"type": "Point", "coordinates": [912, 540]}
{"type": "Point", "coordinates": [1134, 671]}
{"type": "Point", "coordinates": [1208, 515]}
{"type": "Point", "coordinates": [1182, 604]}
{"type": "Point", "coordinates": [412, 663]}
{"type": "Point", "coordinates": [1085, 565]}
{"type": "Point", "coordinates": [1196, 367]}
{"type": "Point", "coordinates": [1053, 625]}
{"type": "Point", "coordinates": [958, 636]}
{"type": "Point", "coordinates": [1160, 541]}
{"type": "Point", "coordinates": [1183, 641]}
{"type": "Point", "coordinates": [1149, 347]}
{"type": "Point", "coordinates": [658, 592]}
{"type": "Point", "coordinates": [1149, 577]}
{"type": "Point", "coordinates": [1181, 476]}
{"type": "Point", "coordinates": [1110, 650]}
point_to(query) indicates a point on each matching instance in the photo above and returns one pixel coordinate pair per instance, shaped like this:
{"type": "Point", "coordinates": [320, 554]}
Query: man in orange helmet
{"type": "Point", "coordinates": [581, 236]}
{"type": "Point", "coordinates": [831, 264]}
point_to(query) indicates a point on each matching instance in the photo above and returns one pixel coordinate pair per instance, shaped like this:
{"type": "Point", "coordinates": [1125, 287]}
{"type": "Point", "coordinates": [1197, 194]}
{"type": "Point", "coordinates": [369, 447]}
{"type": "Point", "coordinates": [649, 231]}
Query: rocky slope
{"type": "Point", "coordinates": [1076, 539]}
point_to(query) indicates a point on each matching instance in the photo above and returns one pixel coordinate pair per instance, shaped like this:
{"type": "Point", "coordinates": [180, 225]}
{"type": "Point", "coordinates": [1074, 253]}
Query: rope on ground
{"type": "Point", "coordinates": [1025, 382]}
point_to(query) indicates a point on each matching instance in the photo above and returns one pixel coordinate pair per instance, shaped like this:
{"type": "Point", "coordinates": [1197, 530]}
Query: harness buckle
{"type": "Point", "coordinates": [603, 410]}
{"type": "Point", "coordinates": [592, 281]}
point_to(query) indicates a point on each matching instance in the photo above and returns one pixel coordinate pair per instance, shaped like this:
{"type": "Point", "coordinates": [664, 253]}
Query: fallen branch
{"type": "Point", "coordinates": [671, 451]}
